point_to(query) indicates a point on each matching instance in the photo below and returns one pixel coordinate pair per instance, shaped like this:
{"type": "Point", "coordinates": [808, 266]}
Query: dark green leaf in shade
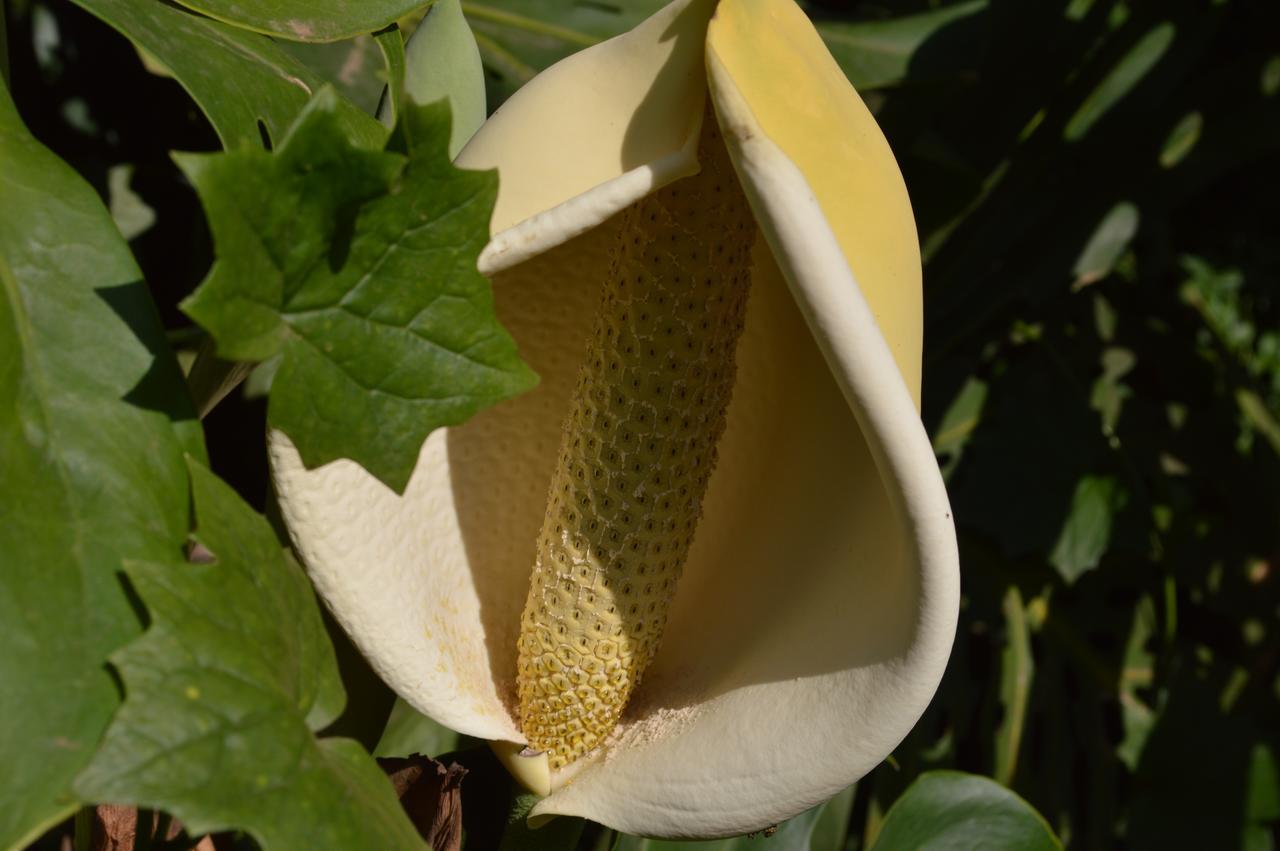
{"type": "Point", "coordinates": [961, 419]}
{"type": "Point", "coordinates": [950, 809]}
{"type": "Point", "coordinates": [1203, 777]}
{"type": "Point", "coordinates": [1122, 79]}
{"type": "Point", "coordinates": [307, 20]}
{"type": "Point", "coordinates": [820, 828]}
{"type": "Point", "coordinates": [1269, 79]}
{"type": "Point", "coordinates": [558, 833]}
{"type": "Point", "coordinates": [409, 732]}
{"type": "Point", "coordinates": [1182, 139]}
{"type": "Point", "coordinates": [1109, 391]}
{"type": "Point", "coordinates": [1136, 716]}
{"type": "Point", "coordinates": [830, 831]}
{"type": "Point", "coordinates": [94, 423]}
{"type": "Point", "coordinates": [1259, 417]}
{"type": "Point", "coordinates": [237, 78]}
{"type": "Point", "coordinates": [875, 54]}
{"type": "Point", "coordinates": [360, 266]}
{"type": "Point", "coordinates": [1114, 233]}
{"type": "Point", "coordinates": [518, 38]}
{"type": "Point", "coordinates": [1017, 667]}
{"type": "Point", "coordinates": [222, 694]}
{"type": "Point", "coordinates": [1087, 531]}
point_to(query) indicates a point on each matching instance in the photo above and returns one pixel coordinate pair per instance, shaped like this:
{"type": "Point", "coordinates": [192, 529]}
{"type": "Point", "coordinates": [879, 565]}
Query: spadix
{"type": "Point", "coordinates": [638, 450]}
{"type": "Point", "coordinates": [819, 593]}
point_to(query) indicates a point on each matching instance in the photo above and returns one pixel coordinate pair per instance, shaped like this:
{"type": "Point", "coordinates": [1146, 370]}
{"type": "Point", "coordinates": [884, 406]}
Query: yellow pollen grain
{"type": "Point", "coordinates": [636, 454]}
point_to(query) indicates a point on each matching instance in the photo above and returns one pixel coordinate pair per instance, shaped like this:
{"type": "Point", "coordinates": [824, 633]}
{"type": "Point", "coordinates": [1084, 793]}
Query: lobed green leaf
{"type": "Point", "coordinates": [223, 693]}
{"type": "Point", "coordinates": [94, 422]}
{"type": "Point", "coordinates": [359, 267]}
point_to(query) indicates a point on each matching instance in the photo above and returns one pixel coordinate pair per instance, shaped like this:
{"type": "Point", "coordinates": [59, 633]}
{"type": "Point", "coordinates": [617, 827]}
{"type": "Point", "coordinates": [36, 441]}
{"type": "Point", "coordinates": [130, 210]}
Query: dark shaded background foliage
{"type": "Point", "coordinates": [1096, 190]}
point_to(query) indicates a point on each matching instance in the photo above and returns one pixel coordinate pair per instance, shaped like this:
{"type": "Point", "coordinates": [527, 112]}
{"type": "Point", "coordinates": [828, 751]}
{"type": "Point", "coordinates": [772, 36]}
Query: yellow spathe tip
{"type": "Point", "coordinates": [787, 88]}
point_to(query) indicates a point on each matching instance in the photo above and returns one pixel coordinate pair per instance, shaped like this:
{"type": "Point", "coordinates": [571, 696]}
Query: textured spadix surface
{"type": "Point", "coordinates": [819, 598]}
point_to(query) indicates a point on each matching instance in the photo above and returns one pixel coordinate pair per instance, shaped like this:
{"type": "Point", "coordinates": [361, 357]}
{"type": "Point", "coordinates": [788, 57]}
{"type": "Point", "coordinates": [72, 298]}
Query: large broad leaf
{"type": "Point", "coordinates": [307, 20]}
{"type": "Point", "coordinates": [222, 694]}
{"type": "Point", "coordinates": [94, 421]}
{"type": "Point", "coordinates": [360, 267]}
{"type": "Point", "coordinates": [949, 809]}
{"type": "Point", "coordinates": [237, 78]}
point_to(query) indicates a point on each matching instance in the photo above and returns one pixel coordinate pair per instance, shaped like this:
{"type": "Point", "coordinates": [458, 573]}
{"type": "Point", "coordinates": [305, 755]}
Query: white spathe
{"type": "Point", "coordinates": [819, 602]}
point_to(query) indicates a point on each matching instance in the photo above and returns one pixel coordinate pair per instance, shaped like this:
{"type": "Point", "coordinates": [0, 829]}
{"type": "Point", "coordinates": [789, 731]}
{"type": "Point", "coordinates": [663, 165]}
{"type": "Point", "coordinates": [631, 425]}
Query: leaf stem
{"type": "Point", "coordinates": [83, 828]}
{"type": "Point", "coordinates": [211, 378]}
{"type": "Point", "coordinates": [1018, 668]}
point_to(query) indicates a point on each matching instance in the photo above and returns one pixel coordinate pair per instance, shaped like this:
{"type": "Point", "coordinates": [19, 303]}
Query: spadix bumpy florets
{"type": "Point", "coordinates": [637, 452]}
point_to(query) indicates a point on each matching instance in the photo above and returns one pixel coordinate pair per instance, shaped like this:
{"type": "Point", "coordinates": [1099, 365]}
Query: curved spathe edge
{"type": "Point", "coordinates": [545, 230]}
{"type": "Point", "coordinates": [799, 98]}
{"type": "Point", "coordinates": [363, 546]}
{"type": "Point", "coordinates": [594, 133]}
{"type": "Point", "coordinates": [831, 301]}
{"type": "Point", "coordinates": [890, 699]}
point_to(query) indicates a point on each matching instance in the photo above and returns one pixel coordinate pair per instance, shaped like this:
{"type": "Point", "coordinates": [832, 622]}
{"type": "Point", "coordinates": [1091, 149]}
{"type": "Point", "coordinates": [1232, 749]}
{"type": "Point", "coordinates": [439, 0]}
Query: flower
{"type": "Point", "coordinates": [818, 603]}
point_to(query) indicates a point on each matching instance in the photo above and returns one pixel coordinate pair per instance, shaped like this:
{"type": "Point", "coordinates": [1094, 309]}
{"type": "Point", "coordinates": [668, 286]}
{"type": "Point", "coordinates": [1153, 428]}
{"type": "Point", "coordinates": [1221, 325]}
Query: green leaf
{"type": "Point", "coordinates": [1255, 412]}
{"type": "Point", "coordinates": [222, 694]}
{"type": "Point", "coordinates": [1109, 391]}
{"type": "Point", "coordinates": [1122, 79]}
{"type": "Point", "coordinates": [360, 266]}
{"type": "Point", "coordinates": [1087, 531]}
{"type": "Point", "coordinates": [1136, 717]}
{"type": "Point", "coordinates": [307, 20]}
{"type": "Point", "coordinates": [442, 61]}
{"type": "Point", "coordinates": [354, 67]}
{"type": "Point", "coordinates": [875, 54]}
{"type": "Point", "coordinates": [557, 834]}
{"type": "Point", "coordinates": [236, 78]}
{"type": "Point", "coordinates": [409, 732]}
{"type": "Point", "coordinates": [950, 809]}
{"type": "Point", "coordinates": [1182, 139]}
{"type": "Point", "coordinates": [131, 214]}
{"type": "Point", "coordinates": [1017, 667]}
{"type": "Point", "coordinates": [518, 38]}
{"type": "Point", "coordinates": [831, 830]}
{"type": "Point", "coordinates": [94, 422]}
{"type": "Point", "coordinates": [820, 828]}
{"type": "Point", "coordinates": [961, 419]}
{"type": "Point", "coordinates": [1100, 254]}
